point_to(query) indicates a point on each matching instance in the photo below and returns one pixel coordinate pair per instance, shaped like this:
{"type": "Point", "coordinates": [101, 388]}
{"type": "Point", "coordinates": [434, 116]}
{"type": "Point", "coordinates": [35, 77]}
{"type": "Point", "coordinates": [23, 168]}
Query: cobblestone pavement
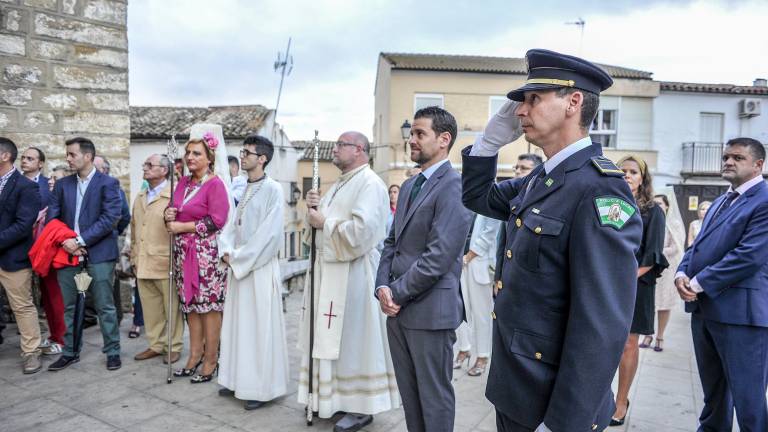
{"type": "Point", "coordinates": [87, 397]}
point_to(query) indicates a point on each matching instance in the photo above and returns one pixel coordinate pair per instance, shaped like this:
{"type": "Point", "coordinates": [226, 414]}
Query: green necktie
{"type": "Point", "coordinates": [416, 188]}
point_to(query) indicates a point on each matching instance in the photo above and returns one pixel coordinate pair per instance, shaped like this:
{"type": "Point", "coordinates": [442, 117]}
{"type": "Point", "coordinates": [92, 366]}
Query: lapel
{"type": "Point", "coordinates": [710, 225]}
{"type": "Point", "coordinates": [89, 191]}
{"type": "Point", "coordinates": [556, 179]}
{"type": "Point", "coordinates": [9, 186]}
{"type": "Point", "coordinates": [426, 188]}
{"type": "Point", "coordinates": [402, 203]}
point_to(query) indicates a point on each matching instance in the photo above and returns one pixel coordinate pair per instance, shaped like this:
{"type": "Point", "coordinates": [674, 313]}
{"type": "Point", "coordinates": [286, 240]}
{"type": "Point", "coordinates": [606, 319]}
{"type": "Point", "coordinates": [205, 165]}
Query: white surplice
{"type": "Point", "coordinates": [353, 369]}
{"type": "Point", "coordinates": [254, 359]}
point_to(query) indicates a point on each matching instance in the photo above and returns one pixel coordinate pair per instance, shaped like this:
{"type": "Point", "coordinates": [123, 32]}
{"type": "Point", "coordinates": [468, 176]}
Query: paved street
{"type": "Point", "coordinates": [87, 397]}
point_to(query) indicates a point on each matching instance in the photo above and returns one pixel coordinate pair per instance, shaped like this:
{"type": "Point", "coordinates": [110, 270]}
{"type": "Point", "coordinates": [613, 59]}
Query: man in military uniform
{"type": "Point", "coordinates": [565, 305]}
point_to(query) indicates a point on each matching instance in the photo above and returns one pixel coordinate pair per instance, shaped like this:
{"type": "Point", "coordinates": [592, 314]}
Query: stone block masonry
{"type": "Point", "coordinates": [64, 73]}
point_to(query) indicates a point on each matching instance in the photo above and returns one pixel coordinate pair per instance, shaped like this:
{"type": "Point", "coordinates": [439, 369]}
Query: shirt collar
{"type": "Point", "coordinates": [747, 185]}
{"type": "Point", "coordinates": [7, 175]}
{"type": "Point", "coordinates": [565, 153]}
{"type": "Point", "coordinates": [88, 178]}
{"type": "Point", "coordinates": [159, 187]}
{"type": "Point", "coordinates": [431, 170]}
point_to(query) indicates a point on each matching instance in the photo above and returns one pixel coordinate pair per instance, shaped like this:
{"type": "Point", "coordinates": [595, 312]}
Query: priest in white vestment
{"type": "Point", "coordinates": [254, 360]}
{"type": "Point", "coordinates": [353, 370]}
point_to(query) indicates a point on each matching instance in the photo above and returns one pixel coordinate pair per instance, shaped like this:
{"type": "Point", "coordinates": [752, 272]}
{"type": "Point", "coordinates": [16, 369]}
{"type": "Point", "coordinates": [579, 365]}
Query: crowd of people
{"type": "Point", "coordinates": [550, 277]}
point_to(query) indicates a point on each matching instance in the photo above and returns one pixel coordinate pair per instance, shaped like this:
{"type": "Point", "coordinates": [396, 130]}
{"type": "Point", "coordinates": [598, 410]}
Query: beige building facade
{"type": "Point", "coordinates": [473, 88]}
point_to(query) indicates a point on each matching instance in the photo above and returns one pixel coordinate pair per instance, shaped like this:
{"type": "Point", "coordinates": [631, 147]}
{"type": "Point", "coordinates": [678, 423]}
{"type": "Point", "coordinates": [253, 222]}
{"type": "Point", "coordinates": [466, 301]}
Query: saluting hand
{"type": "Point", "coordinates": [503, 127]}
{"type": "Point", "coordinates": [683, 285]}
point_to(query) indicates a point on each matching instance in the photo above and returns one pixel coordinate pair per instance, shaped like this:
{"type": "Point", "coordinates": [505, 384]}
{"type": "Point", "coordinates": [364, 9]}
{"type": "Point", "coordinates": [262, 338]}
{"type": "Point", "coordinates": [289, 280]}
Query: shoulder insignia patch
{"type": "Point", "coordinates": [606, 166]}
{"type": "Point", "coordinates": [614, 211]}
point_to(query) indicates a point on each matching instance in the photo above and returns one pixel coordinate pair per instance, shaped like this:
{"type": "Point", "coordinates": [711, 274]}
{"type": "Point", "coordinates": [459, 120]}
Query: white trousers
{"type": "Point", "coordinates": [477, 292]}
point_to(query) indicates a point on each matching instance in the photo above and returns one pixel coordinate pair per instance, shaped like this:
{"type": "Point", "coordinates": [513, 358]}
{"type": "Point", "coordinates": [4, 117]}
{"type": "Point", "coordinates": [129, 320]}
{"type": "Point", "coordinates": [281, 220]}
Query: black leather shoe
{"type": "Point", "coordinates": [62, 363]}
{"type": "Point", "coordinates": [226, 392]}
{"type": "Point", "coordinates": [619, 422]}
{"type": "Point", "coordinates": [113, 362]}
{"type": "Point", "coordinates": [253, 404]}
{"type": "Point", "coordinates": [352, 422]}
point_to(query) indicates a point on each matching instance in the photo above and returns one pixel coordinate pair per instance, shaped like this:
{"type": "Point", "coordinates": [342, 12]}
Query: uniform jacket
{"type": "Point", "coordinates": [729, 259]}
{"type": "Point", "coordinates": [421, 260]}
{"type": "Point", "coordinates": [19, 205]}
{"type": "Point", "coordinates": [564, 309]}
{"type": "Point", "coordinates": [47, 252]}
{"type": "Point", "coordinates": [99, 213]}
{"type": "Point", "coordinates": [150, 246]}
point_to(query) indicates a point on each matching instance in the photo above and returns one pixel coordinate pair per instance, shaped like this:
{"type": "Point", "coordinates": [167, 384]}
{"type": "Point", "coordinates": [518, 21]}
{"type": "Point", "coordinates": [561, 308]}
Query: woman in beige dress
{"type": "Point", "coordinates": [666, 295]}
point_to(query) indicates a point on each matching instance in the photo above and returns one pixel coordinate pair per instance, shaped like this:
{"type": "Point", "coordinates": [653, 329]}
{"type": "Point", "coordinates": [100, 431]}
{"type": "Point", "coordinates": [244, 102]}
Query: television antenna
{"type": "Point", "coordinates": [285, 66]}
{"type": "Point", "coordinates": [581, 23]}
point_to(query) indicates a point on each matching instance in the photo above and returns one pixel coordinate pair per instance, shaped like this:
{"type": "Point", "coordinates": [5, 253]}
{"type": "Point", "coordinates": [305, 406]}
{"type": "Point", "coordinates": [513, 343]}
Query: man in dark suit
{"type": "Point", "coordinates": [19, 205]}
{"type": "Point", "coordinates": [418, 277]}
{"type": "Point", "coordinates": [723, 278]}
{"type": "Point", "coordinates": [89, 203]}
{"type": "Point", "coordinates": [32, 163]}
{"type": "Point", "coordinates": [565, 303]}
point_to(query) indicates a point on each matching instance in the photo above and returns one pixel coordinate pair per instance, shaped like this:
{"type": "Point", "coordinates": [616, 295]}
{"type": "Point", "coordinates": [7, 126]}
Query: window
{"type": "Point", "coordinates": [423, 100]}
{"type": "Point", "coordinates": [494, 104]}
{"type": "Point", "coordinates": [603, 129]}
{"type": "Point", "coordinates": [306, 186]}
{"type": "Point", "coordinates": [711, 127]}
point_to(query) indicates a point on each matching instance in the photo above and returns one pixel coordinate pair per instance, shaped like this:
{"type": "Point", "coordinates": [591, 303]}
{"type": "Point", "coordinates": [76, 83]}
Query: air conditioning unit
{"type": "Point", "coordinates": [749, 107]}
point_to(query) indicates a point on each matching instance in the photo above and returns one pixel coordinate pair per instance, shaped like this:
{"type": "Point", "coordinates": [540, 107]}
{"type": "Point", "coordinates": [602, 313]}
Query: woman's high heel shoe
{"type": "Point", "coordinates": [478, 369]}
{"type": "Point", "coordinates": [646, 343]}
{"type": "Point", "coordinates": [460, 358]}
{"type": "Point", "coordinates": [197, 379]}
{"type": "Point", "coordinates": [187, 372]}
{"type": "Point", "coordinates": [619, 422]}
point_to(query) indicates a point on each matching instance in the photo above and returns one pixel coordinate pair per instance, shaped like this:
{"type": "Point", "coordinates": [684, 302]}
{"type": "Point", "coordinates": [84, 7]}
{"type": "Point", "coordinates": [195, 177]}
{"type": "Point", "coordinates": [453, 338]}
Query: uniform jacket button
{"type": "Point", "coordinates": [499, 285]}
{"type": "Point", "coordinates": [518, 222]}
{"type": "Point", "coordinates": [594, 427]}
{"type": "Point", "coordinates": [493, 315]}
{"type": "Point", "coordinates": [509, 253]}
{"type": "Point", "coordinates": [538, 356]}
{"type": "Point", "coordinates": [537, 230]}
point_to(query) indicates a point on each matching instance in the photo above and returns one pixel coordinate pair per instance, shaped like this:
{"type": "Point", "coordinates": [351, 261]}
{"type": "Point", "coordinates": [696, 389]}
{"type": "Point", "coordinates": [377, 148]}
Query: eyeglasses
{"type": "Point", "coordinates": [148, 165]}
{"type": "Point", "coordinates": [339, 144]}
{"type": "Point", "coordinates": [246, 153]}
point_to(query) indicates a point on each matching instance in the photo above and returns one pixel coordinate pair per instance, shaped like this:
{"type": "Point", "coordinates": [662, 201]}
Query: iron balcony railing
{"type": "Point", "coordinates": [704, 158]}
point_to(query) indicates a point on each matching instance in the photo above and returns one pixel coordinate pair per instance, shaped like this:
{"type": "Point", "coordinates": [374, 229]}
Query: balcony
{"type": "Point", "coordinates": [703, 159]}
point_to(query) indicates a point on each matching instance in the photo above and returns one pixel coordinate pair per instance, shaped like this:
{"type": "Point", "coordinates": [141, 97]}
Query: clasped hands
{"type": "Point", "coordinates": [387, 303]}
{"type": "Point", "coordinates": [171, 225]}
{"type": "Point", "coordinates": [683, 285]}
{"type": "Point", "coordinates": [316, 218]}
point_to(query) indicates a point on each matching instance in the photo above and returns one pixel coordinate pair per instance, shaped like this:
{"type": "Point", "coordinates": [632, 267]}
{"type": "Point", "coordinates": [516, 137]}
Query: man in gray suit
{"type": "Point", "coordinates": [418, 277]}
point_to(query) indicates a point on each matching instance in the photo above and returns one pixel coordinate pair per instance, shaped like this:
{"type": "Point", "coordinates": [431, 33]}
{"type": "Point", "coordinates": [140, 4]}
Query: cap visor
{"type": "Point", "coordinates": [518, 95]}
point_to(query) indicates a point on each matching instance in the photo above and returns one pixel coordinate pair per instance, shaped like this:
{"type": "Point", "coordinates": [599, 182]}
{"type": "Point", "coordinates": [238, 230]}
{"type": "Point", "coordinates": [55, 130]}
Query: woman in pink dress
{"type": "Point", "coordinates": [200, 211]}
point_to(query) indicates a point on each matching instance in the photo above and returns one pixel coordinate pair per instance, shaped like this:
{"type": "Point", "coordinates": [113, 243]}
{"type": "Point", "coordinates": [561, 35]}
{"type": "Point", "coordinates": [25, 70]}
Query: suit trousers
{"type": "Point", "coordinates": [154, 304]}
{"type": "Point", "coordinates": [733, 368]}
{"type": "Point", "coordinates": [423, 361]}
{"type": "Point", "coordinates": [101, 290]}
{"type": "Point", "coordinates": [18, 288]}
{"type": "Point", "coordinates": [53, 305]}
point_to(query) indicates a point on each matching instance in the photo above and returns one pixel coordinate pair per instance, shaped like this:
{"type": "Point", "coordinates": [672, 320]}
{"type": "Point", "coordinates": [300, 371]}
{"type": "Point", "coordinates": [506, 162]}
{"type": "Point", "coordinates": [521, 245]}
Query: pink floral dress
{"type": "Point", "coordinates": [201, 278]}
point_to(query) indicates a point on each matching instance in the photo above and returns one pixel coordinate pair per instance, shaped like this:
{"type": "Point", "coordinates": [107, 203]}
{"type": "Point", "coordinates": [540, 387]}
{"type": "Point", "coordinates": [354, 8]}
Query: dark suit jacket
{"type": "Point", "coordinates": [421, 260]}
{"type": "Point", "coordinates": [125, 214]}
{"type": "Point", "coordinates": [730, 261]}
{"type": "Point", "coordinates": [45, 193]}
{"type": "Point", "coordinates": [99, 213]}
{"type": "Point", "coordinates": [569, 281]}
{"type": "Point", "coordinates": [19, 205]}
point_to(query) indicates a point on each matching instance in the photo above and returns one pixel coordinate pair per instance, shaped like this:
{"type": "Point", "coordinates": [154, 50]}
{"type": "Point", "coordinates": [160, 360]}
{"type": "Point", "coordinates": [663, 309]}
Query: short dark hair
{"type": "Point", "coordinates": [589, 104]}
{"type": "Point", "coordinates": [40, 154]}
{"type": "Point", "coordinates": [86, 146]}
{"type": "Point", "coordinates": [263, 146]}
{"type": "Point", "coordinates": [756, 149]}
{"type": "Point", "coordinates": [442, 121]}
{"type": "Point", "coordinates": [8, 146]}
{"type": "Point", "coordinates": [536, 159]}
{"type": "Point", "coordinates": [233, 159]}
{"type": "Point", "coordinates": [663, 198]}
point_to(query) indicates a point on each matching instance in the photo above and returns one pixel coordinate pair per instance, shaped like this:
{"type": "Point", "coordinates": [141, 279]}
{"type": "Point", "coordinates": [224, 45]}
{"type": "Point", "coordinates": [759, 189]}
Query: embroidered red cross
{"type": "Point", "coordinates": [330, 315]}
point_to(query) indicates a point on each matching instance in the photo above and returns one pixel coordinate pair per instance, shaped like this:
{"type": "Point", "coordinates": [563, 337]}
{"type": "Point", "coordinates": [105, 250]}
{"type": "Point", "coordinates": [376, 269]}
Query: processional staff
{"type": "Point", "coordinates": [172, 150]}
{"type": "Point", "coordinates": [315, 187]}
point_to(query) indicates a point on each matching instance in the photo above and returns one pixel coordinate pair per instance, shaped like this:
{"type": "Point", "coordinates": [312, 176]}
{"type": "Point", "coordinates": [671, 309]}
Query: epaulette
{"type": "Point", "coordinates": [606, 166]}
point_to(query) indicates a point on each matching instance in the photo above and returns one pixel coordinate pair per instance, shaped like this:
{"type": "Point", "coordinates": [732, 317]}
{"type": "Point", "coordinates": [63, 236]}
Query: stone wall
{"type": "Point", "coordinates": [64, 73]}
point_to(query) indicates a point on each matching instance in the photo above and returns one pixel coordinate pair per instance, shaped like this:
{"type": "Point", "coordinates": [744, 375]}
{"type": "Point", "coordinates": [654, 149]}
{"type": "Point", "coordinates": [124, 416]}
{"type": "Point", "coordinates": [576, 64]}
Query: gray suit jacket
{"type": "Point", "coordinates": [421, 260]}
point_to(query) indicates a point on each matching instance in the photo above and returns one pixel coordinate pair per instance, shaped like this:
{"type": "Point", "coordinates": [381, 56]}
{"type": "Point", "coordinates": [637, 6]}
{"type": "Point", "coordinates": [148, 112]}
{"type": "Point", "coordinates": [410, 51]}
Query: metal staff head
{"type": "Point", "coordinates": [316, 162]}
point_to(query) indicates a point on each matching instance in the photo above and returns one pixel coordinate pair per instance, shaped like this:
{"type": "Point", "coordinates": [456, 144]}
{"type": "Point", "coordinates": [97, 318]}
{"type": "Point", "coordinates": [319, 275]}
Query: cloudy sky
{"type": "Point", "coordinates": [200, 53]}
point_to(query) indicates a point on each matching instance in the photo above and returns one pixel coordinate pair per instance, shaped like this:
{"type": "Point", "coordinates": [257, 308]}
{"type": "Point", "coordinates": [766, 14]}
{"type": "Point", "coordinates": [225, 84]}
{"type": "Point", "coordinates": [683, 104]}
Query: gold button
{"type": "Point", "coordinates": [537, 230]}
{"type": "Point", "coordinates": [538, 356]}
{"type": "Point", "coordinates": [499, 285]}
{"type": "Point", "coordinates": [493, 314]}
{"type": "Point", "coordinates": [594, 427]}
{"type": "Point", "coordinates": [513, 208]}
{"type": "Point", "coordinates": [519, 222]}
{"type": "Point", "coordinates": [509, 253]}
